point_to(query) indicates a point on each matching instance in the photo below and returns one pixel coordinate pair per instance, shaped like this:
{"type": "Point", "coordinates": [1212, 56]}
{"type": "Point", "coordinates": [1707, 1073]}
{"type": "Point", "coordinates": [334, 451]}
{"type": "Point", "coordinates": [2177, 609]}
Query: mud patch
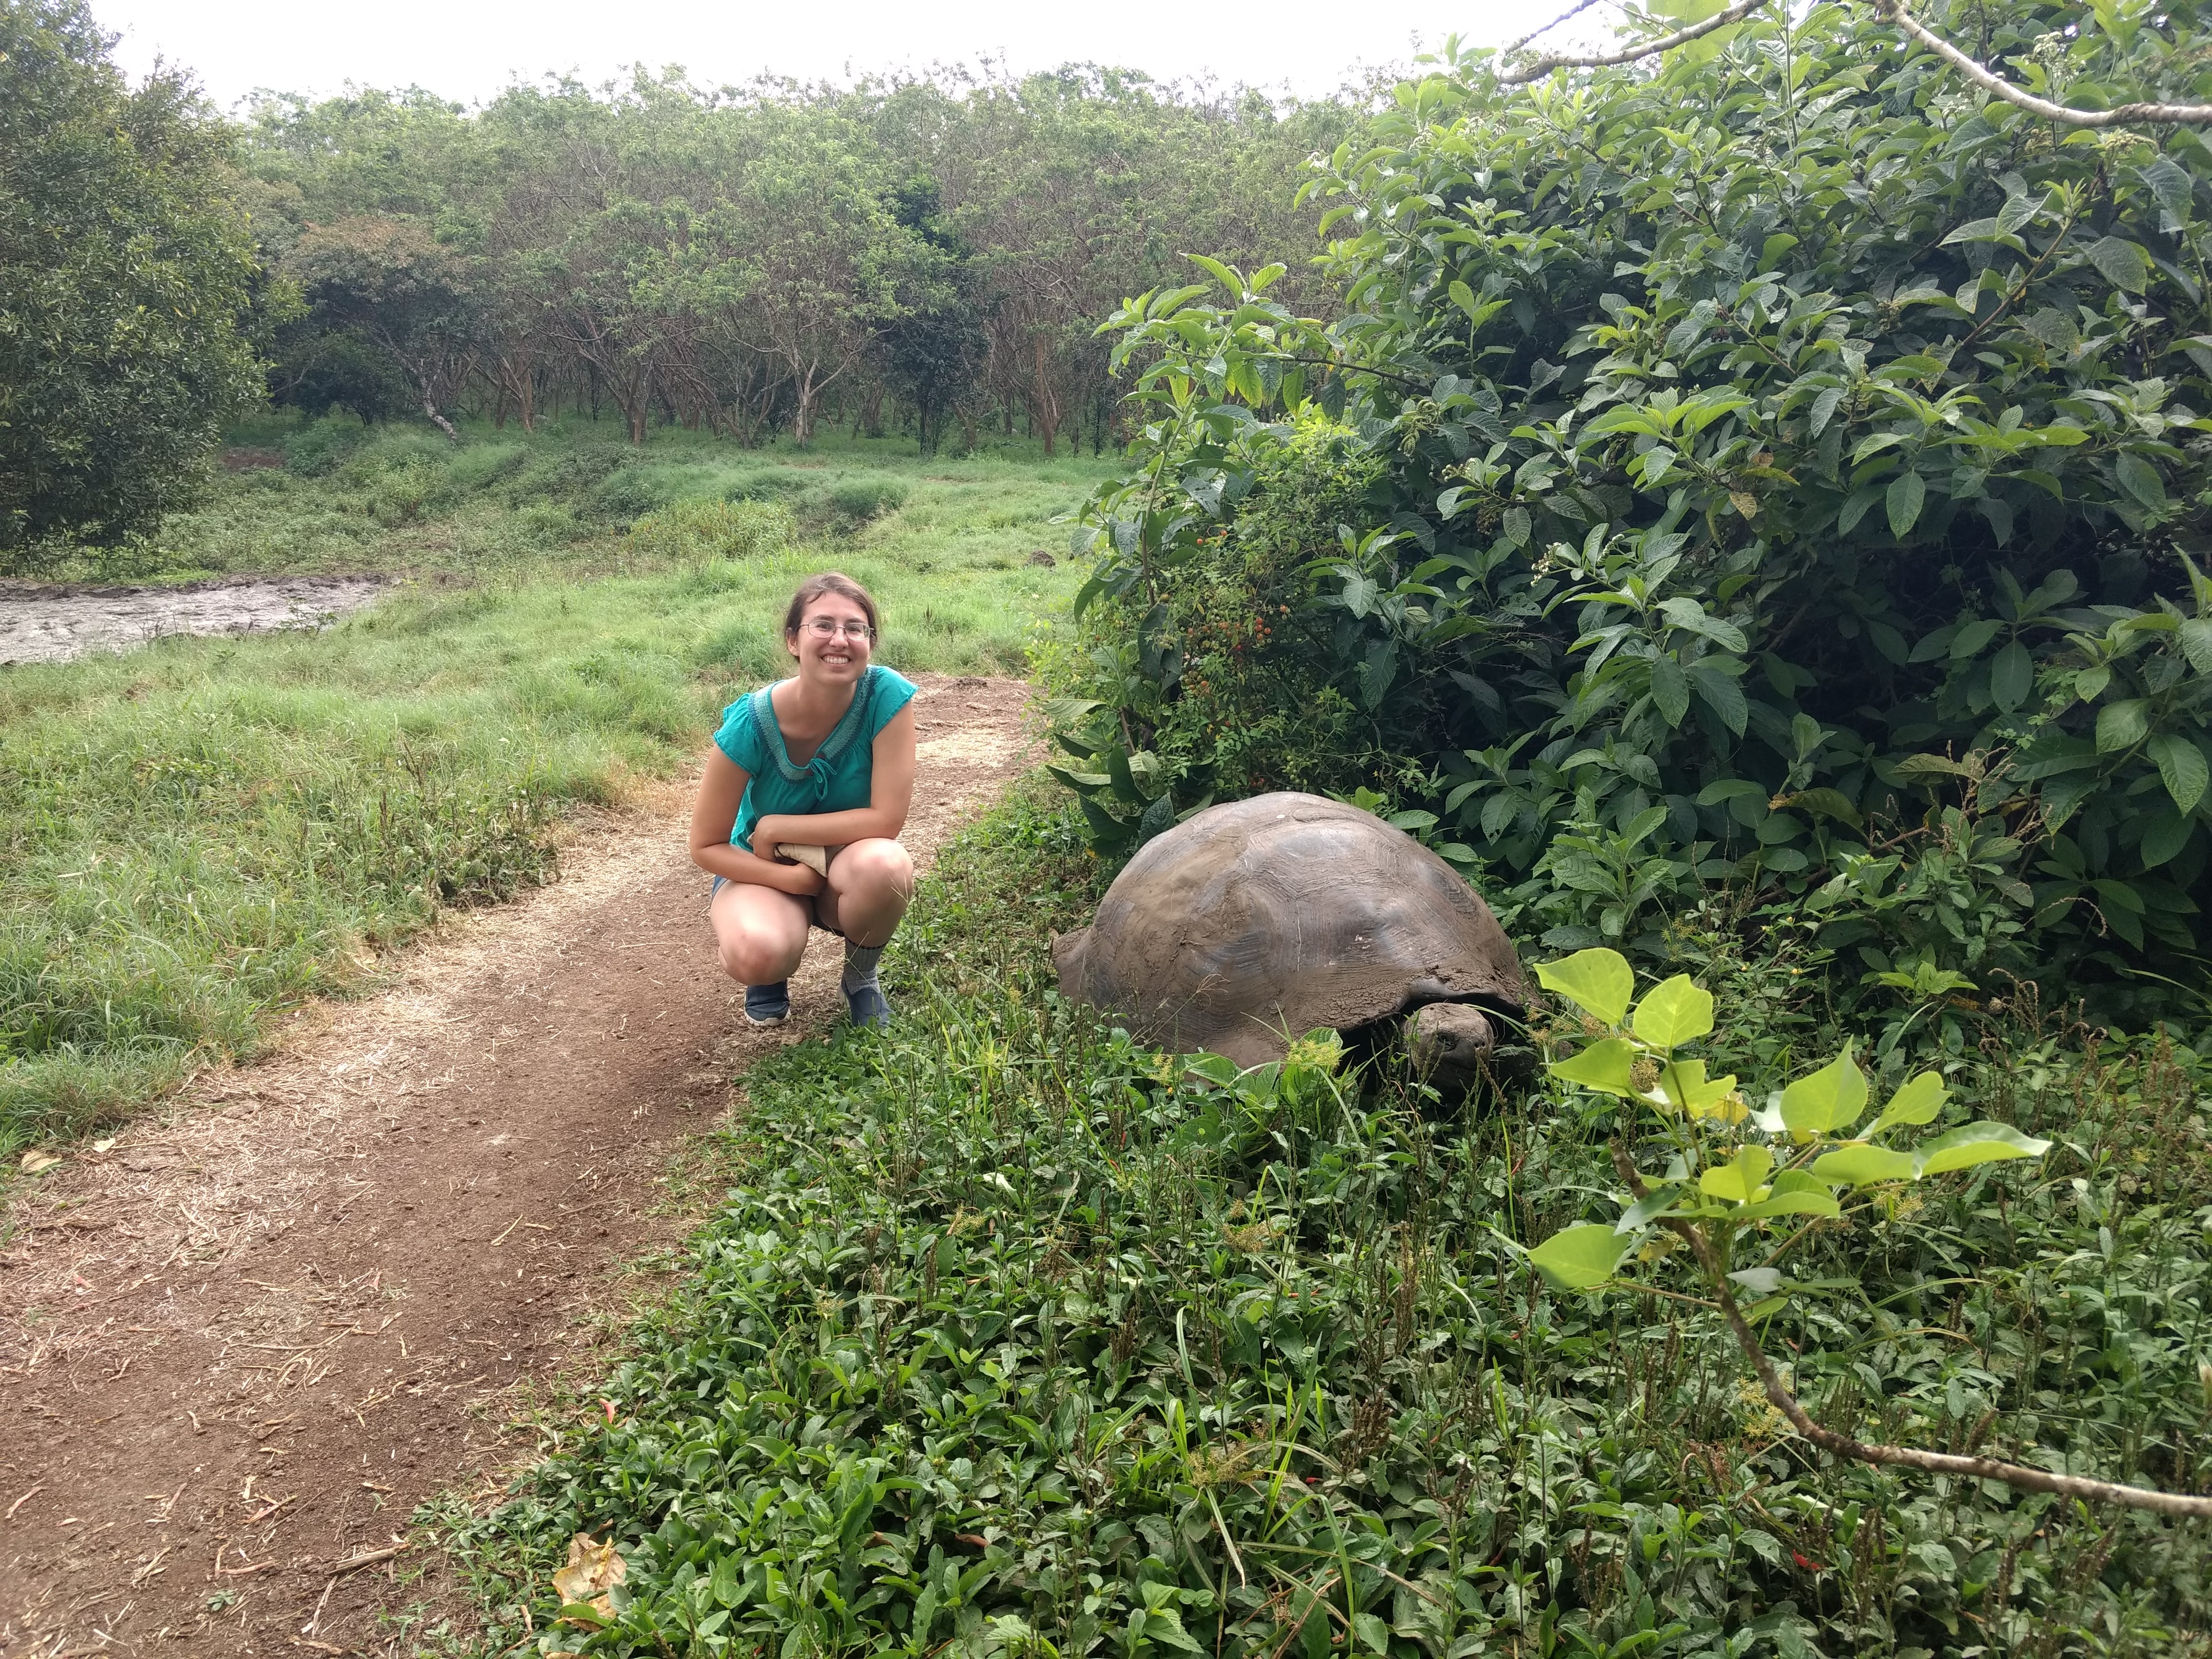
{"type": "Point", "coordinates": [55, 623]}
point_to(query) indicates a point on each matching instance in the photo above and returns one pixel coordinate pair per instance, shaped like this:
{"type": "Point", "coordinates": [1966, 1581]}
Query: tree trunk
{"type": "Point", "coordinates": [872, 412]}
{"type": "Point", "coordinates": [1044, 407]}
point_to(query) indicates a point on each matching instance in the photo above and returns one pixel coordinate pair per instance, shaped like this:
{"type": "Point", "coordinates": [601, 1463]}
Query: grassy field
{"type": "Point", "coordinates": [197, 835]}
{"type": "Point", "coordinates": [1013, 1339]}
{"type": "Point", "coordinates": [333, 495]}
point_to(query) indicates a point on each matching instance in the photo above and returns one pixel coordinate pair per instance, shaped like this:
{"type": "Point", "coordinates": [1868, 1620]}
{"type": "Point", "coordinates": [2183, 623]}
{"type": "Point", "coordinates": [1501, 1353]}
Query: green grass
{"type": "Point", "coordinates": [345, 497]}
{"type": "Point", "coordinates": [1012, 1338]}
{"type": "Point", "coordinates": [197, 835]}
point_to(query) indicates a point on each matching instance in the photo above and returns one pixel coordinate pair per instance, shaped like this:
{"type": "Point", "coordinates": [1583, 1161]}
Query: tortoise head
{"type": "Point", "coordinates": [1449, 1042]}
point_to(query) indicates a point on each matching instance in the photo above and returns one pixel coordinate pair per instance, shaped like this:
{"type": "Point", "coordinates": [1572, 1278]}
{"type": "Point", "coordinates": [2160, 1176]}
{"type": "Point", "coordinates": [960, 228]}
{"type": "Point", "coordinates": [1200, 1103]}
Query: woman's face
{"type": "Point", "coordinates": [832, 643]}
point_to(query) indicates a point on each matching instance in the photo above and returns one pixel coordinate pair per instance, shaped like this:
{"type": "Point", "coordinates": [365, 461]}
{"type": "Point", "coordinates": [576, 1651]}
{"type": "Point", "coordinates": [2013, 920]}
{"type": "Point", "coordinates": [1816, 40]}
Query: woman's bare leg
{"type": "Point", "coordinates": [759, 932]}
{"type": "Point", "coordinates": [871, 884]}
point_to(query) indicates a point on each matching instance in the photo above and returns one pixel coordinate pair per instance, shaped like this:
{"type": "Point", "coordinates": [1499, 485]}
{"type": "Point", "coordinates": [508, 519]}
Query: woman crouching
{"type": "Point", "coordinates": [806, 789]}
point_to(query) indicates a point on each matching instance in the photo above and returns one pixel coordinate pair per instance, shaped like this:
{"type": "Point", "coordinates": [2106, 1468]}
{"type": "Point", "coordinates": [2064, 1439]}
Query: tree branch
{"type": "Point", "coordinates": [1512, 46]}
{"type": "Point", "coordinates": [1543, 66]}
{"type": "Point", "coordinates": [2124, 115]}
{"type": "Point", "coordinates": [1909, 1457]}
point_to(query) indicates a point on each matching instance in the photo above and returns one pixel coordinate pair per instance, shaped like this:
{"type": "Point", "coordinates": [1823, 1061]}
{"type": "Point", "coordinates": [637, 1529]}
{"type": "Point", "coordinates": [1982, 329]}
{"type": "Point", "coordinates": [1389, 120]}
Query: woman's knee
{"type": "Point", "coordinates": [752, 959]}
{"type": "Point", "coordinates": [757, 943]}
{"type": "Point", "coordinates": [873, 870]}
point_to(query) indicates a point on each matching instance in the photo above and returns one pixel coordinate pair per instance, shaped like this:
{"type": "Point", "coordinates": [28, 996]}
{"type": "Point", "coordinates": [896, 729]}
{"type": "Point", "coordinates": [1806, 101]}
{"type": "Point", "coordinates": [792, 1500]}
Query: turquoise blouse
{"type": "Point", "coordinates": [840, 776]}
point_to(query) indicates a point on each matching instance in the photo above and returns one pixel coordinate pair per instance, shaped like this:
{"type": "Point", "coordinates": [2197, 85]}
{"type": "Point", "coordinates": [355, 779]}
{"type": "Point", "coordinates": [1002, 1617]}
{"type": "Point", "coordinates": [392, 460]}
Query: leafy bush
{"type": "Point", "coordinates": [767, 483]}
{"type": "Point", "coordinates": [862, 498]}
{"type": "Point", "coordinates": [319, 448]}
{"type": "Point", "coordinates": [629, 493]}
{"type": "Point", "coordinates": [1010, 1338]}
{"type": "Point", "coordinates": [1784, 460]}
{"type": "Point", "coordinates": [693, 531]}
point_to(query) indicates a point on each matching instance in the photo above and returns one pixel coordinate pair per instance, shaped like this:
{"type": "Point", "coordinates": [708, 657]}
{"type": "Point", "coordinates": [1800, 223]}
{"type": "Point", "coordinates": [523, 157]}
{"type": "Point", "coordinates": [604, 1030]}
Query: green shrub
{"type": "Point", "coordinates": [1773, 509]}
{"type": "Point", "coordinates": [406, 492]}
{"type": "Point", "coordinates": [862, 498]}
{"type": "Point", "coordinates": [767, 483]}
{"type": "Point", "coordinates": [321, 447]}
{"type": "Point", "coordinates": [478, 466]}
{"type": "Point", "coordinates": [694, 530]}
{"type": "Point", "coordinates": [628, 493]}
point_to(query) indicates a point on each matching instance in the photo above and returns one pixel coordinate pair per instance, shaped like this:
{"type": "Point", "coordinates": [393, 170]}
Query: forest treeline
{"type": "Point", "coordinates": [934, 252]}
{"type": "Point", "coordinates": [756, 261]}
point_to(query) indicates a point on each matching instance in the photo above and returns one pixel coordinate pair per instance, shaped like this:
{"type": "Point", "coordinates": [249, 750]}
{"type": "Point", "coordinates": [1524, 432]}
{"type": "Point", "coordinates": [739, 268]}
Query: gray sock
{"type": "Point", "coordinates": [860, 962]}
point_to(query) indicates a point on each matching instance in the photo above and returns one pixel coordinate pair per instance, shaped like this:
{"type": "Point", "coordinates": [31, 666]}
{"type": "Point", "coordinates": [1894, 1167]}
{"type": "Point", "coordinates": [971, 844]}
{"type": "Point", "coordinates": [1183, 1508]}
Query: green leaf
{"type": "Point", "coordinates": [1794, 1201]}
{"type": "Point", "coordinates": [1917, 1101]}
{"type": "Point", "coordinates": [1722, 696]}
{"type": "Point", "coordinates": [1861, 1166]}
{"type": "Point", "coordinates": [2122, 725]}
{"type": "Point", "coordinates": [1600, 983]}
{"type": "Point", "coordinates": [2195, 645]}
{"type": "Point", "coordinates": [1977, 1142]}
{"type": "Point", "coordinates": [1580, 1258]}
{"type": "Point", "coordinates": [1742, 1178]}
{"type": "Point", "coordinates": [2181, 766]}
{"type": "Point", "coordinates": [2012, 677]}
{"type": "Point", "coordinates": [1831, 803]}
{"type": "Point", "coordinates": [1605, 1065]}
{"type": "Point", "coordinates": [2141, 480]}
{"type": "Point", "coordinates": [1903, 501]}
{"type": "Point", "coordinates": [1220, 273]}
{"type": "Point", "coordinates": [1670, 690]}
{"type": "Point", "coordinates": [2122, 262]}
{"type": "Point", "coordinates": [1825, 1101]}
{"type": "Point", "coordinates": [2167, 835]}
{"type": "Point", "coordinates": [1673, 1012]}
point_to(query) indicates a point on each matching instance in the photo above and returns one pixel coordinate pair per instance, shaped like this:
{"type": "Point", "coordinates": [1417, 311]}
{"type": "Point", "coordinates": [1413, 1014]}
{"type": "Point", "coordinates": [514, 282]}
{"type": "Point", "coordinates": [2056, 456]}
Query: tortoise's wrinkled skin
{"type": "Point", "coordinates": [1257, 921]}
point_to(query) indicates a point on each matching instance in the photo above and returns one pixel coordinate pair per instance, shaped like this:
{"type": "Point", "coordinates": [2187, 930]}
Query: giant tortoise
{"type": "Point", "coordinates": [1252, 923]}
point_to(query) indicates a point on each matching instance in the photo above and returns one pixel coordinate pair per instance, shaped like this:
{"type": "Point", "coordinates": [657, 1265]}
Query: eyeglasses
{"type": "Point", "coordinates": [828, 628]}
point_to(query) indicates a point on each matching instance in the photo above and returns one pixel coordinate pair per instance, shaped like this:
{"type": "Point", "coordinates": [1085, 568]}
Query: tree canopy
{"type": "Point", "coordinates": [746, 260]}
{"type": "Point", "coordinates": [129, 292]}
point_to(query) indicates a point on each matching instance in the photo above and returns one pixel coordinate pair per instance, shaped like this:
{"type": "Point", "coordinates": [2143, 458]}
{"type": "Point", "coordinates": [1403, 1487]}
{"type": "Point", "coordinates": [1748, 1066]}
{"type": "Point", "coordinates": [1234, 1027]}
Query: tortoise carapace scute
{"type": "Point", "coordinates": [1252, 923]}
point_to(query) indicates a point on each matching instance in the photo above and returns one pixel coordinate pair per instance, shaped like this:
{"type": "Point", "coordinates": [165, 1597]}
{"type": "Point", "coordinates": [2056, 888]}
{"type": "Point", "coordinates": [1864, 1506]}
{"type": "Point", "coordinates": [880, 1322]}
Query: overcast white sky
{"type": "Point", "coordinates": [469, 49]}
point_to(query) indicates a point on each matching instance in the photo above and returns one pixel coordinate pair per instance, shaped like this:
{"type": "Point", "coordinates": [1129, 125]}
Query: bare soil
{"type": "Point", "coordinates": [239, 1344]}
{"type": "Point", "coordinates": [55, 621]}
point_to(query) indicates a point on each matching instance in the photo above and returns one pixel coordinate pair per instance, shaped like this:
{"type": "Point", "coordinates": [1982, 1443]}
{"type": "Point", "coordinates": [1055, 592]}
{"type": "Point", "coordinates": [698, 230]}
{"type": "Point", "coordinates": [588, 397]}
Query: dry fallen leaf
{"type": "Point", "coordinates": [593, 1571]}
{"type": "Point", "coordinates": [33, 1162]}
{"type": "Point", "coordinates": [106, 1145]}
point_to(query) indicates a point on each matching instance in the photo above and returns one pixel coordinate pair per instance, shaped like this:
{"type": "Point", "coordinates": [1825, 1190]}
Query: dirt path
{"type": "Point", "coordinates": [239, 1344]}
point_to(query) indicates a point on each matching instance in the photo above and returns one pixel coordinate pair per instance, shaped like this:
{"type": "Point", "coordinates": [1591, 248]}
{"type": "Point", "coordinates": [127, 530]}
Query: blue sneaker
{"type": "Point", "coordinates": [865, 1005]}
{"type": "Point", "coordinates": [768, 1005]}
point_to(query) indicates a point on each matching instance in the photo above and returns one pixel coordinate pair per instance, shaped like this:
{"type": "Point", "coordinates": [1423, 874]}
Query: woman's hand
{"type": "Point", "coordinates": [796, 879]}
{"type": "Point", "coordinates": [772, 829]}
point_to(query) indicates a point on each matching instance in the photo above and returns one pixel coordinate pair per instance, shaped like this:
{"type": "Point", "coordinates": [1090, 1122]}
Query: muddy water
{"type": "Point", "coordinates": [54, 623]}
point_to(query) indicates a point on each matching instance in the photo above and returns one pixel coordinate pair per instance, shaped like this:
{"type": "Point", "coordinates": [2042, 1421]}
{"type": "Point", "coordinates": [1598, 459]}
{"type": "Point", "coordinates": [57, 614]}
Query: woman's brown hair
{"type": "Point", "coordinates": [830, 581]}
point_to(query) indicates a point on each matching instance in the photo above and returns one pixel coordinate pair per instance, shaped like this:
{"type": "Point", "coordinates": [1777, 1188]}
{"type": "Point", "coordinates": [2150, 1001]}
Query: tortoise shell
{"type": "Point", "coordinates": [1252, 923]}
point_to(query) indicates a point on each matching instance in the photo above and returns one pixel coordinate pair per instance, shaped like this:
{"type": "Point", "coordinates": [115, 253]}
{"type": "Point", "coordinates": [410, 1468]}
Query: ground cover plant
{"type": "Point", "coordinates": [1777, 467]}
{"type": "Point", "coordinates": [1011, 1337]}
{"type": "Point", "coordinates": [196, 835]}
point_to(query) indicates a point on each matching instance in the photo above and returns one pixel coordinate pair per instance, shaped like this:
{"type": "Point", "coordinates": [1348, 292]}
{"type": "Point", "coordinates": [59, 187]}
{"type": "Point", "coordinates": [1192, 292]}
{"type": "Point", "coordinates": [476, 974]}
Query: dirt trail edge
{"type": "Point", "coordinates": [241, 1344]}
